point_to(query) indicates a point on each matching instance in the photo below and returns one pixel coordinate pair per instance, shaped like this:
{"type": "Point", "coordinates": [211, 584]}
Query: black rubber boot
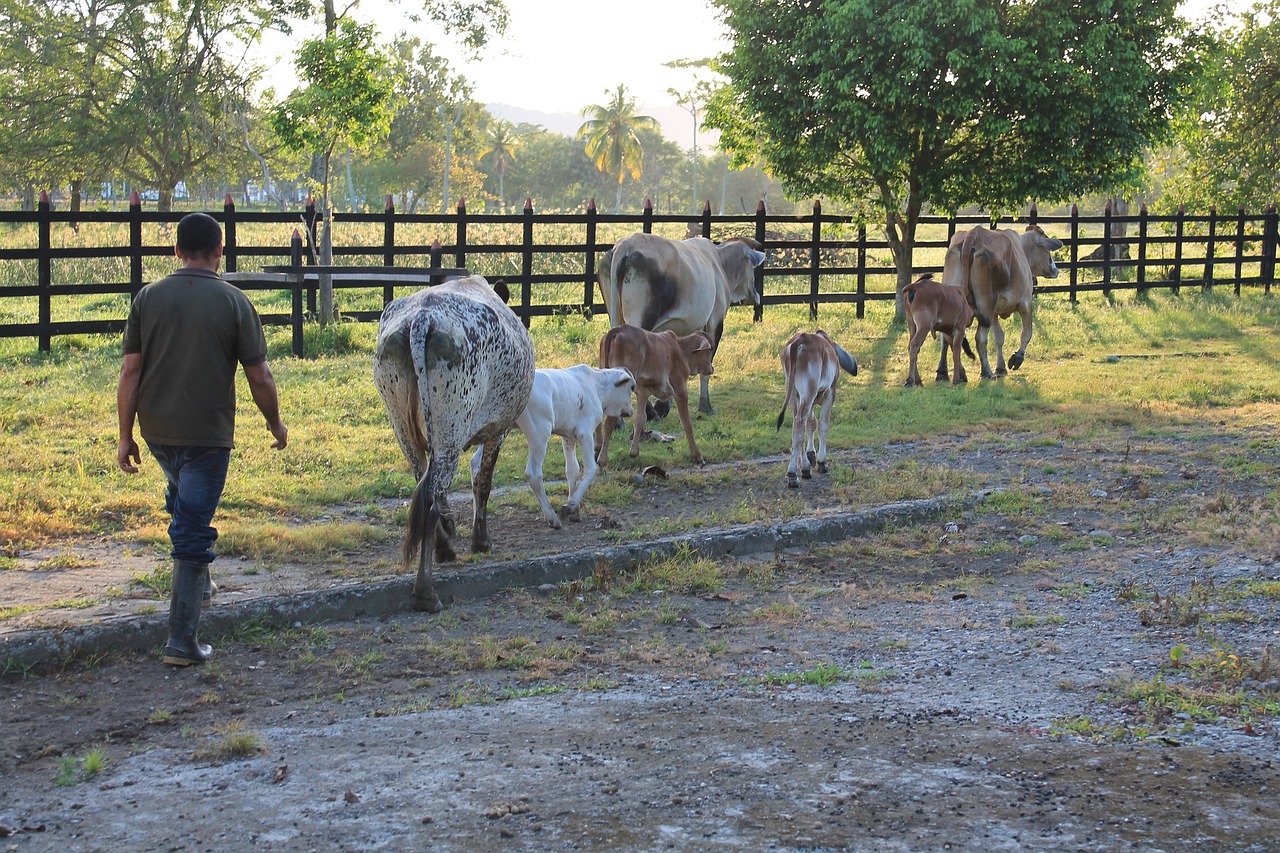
{"type": "Point", "coordinates": [210, 589]}
{"type": "Point", "coordinates": [183, 649]}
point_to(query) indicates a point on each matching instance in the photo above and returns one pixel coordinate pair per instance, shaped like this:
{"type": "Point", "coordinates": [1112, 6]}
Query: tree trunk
{"type": "Point", "coordinates": [326, 250]}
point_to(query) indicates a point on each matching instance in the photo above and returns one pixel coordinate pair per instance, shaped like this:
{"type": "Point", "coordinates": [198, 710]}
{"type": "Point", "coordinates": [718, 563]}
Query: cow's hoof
{"type": "Point", "coordinates": [569, 513]}
{"type": "Point", "coordinates": [822, 467]}
{"type": "Point", "coordinates": [661, 409]}
{"type": "Point", "coordinates": [806, 474]}
{"type": "Point", "coordinates": [909, 384]}
{"type": "Point", "coordinates": [942, 377]}
{"type": "Point", "coordinates": [555, 523]}
{"type": "Point", "coordinates": [1015, 361]}
{"type": "Point", "coordinates": [446, 554]}
{"type": "Point", "coordinates": [792, 482]}
{"type": "Point", "coordinates": [961, 380]}
{"type": "Point", "coordinates": [481, 546]}
{"type": "Point", "coordinates": [811, 456]}
{"type": "Point", "coordinates": [427, 603]}
{"type": "Point", "coordinates": [698, 460]}
{"type": "Point", "coordinates": [709, 410]}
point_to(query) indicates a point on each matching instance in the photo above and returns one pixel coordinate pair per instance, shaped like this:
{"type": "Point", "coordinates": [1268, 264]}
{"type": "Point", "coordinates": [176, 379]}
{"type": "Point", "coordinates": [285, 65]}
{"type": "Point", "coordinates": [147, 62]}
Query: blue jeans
{"type": "Point", "coordinates": [196, 476]}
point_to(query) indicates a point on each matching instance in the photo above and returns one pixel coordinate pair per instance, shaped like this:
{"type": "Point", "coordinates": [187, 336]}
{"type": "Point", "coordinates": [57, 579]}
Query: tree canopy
{"type": "Point", "coordinates": [611, 137]}
{"type": "Point", "coordinates": [947, 102]}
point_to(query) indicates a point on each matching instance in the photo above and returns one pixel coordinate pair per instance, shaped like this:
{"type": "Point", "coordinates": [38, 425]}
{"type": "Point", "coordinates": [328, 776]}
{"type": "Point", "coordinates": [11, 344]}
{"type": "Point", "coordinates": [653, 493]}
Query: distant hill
{"type": "Point", "coordinates": [676, 122]}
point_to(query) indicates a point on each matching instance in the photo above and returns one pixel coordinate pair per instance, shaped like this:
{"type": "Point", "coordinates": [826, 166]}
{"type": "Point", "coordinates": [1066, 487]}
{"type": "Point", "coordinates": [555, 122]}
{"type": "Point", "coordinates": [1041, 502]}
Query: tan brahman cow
{"type": "Point", "coordinates": [454, 367]}
{"type": "Point", "coordinates": [811, 364]}
{"type": "Point", "coordinates": [682, 285]}
{"type": "Point", "coordinates": [997, 269]}
{"type": "Point", "coordinates": [661, 363]}
{"type": "Point", "coordinates": [933, 307]}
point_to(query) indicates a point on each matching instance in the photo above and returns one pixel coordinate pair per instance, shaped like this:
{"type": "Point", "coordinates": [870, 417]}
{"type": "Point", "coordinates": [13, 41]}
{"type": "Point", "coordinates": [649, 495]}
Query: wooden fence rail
{"type": "Point", "coordinates": [815, 259]}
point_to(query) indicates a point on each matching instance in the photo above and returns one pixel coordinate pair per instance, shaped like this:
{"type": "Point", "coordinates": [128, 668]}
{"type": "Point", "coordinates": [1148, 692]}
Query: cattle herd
{"type": "Point", "coordinates": [455, 366]}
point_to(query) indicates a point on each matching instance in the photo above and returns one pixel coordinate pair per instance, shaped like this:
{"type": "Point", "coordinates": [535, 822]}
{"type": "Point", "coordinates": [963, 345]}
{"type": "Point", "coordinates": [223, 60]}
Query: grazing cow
{"type": "Point", "coordinates": [661, 363]}
{"type": "Point", "coordinates": [940, 309]}
{"type": "Point", "coordinates": [682, 285]}
{"type": "Point", "coordinates": [997, 269]}
{"type": "Point", "coordinates": [454, 367]}
{"type": "Point", "coordinates": [569, 402]}
{"type": "Point", "coordinates": [811, 364]}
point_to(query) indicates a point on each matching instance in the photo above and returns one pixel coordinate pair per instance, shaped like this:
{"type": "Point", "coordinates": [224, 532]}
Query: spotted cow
{"type": "Point", "coordinates": [454, 367]}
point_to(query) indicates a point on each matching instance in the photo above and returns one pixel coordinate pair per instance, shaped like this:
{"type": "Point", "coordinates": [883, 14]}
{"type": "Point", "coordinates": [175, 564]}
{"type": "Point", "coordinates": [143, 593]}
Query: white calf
{"type": "Point", "coordinates": [811, 365]}
{"type": "Point", "coordinates": [569, 402]}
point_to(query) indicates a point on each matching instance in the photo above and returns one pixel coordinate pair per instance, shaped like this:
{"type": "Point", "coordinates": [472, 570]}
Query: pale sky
{"type": "Point", "coordinates": [559, 56]}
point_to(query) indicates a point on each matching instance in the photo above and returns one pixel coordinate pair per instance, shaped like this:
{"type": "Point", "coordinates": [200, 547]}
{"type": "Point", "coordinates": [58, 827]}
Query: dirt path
{"type": "Point", "coordinates": [999, 680]}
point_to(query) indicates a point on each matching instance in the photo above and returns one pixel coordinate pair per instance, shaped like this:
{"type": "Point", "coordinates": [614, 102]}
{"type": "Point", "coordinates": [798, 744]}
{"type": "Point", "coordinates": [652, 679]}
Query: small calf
{"type": "Point", "coordinates": [811, 364]}
{"type": "Point", "coordinates": [941, 309]}
{"type": "Point", "coordinates": [569, 402]}
{"type": "Point", "coordinates": [661, 363]}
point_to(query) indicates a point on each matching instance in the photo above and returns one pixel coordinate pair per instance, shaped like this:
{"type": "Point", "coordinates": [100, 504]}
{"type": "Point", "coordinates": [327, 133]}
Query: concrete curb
{"type": "Point", "coordinates": [38, 649]}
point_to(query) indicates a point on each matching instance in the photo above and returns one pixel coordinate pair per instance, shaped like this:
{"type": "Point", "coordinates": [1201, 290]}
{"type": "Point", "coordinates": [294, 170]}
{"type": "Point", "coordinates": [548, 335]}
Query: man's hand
{"type": "Point", "coordinates": [281, 432]}
{"type": "Point", "coordinates": [126, 451]}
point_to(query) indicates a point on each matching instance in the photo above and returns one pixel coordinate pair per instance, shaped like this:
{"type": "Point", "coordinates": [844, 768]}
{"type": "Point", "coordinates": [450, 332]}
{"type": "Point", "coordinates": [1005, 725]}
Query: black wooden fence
{"type": "Point", "coordinates": [815, 259]}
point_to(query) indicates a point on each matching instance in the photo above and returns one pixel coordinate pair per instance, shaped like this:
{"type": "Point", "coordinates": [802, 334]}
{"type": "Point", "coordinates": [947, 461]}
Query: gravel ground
{"type": "Point", "coordinates": [1082, 661]}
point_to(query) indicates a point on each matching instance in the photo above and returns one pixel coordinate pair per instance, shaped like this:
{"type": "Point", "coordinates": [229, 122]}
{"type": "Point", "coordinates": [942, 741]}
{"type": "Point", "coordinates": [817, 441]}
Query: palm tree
{"type": "Point", "coordinates": [610, 134]}
{"type": "Point", "coordinates": [501, 142]}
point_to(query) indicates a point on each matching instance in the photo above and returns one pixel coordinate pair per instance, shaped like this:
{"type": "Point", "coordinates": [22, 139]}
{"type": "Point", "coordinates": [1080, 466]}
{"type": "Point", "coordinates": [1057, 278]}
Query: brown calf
{"type": "Point", "coordinates": [662, 363]}
{"type": "Point", "coordinates": [940, 309]}
{"type": "Point", "coordinates": [811, 364]}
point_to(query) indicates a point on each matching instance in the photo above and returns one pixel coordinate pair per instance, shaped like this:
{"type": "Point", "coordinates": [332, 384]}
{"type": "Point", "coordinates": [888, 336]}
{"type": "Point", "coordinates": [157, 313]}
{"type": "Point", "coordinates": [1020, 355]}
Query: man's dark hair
{"type": "Point", "coordinates": [199, 235]}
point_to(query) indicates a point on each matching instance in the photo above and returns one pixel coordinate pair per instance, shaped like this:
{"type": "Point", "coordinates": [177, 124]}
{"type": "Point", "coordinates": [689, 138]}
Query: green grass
{"type": "Point", "coordinates": [57, 412]}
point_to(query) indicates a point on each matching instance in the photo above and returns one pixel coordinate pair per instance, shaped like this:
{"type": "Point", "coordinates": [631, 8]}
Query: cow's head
{"type": "Point", "coordinates": [697, 352]}
{"type": "Point", "coordinates": [739, 256]}
{"type": "Point", "coordinates": [619, 388]}
{"type": "Point", "coordinates": [1039, 248]}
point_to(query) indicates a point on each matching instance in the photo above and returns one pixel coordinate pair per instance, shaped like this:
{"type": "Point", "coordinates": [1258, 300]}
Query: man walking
{"type": "Point", "coordinates": [183, 339]}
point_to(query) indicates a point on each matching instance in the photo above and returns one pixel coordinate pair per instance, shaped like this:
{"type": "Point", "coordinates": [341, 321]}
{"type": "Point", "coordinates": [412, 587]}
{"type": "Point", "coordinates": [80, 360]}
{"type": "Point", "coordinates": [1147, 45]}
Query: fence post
{"type": "Point", "coordinates": [1207, 282]}
{"type": "Point", "coordinates": [526, 263]}
{"type": "Point", "coordinates": [1106, 251]}
{"type": "Point", "coordinates": [647, 222]}
{"type": "Point", "coordinates": [815, 259]}
{"type": "Point", "coordinates": [309, 216]}
{"type": "Point", "coordinates": [460, 247]}
{"type": "Point", "coordinates": [758, 314]}
{"type": "Point", "coordinates": [229, 233]}
{"type": "Point", "coordinates": [295, 288]}
{"type": "Point", "coordinates": [1269, 229]}
{"type": "Point", "coordinates": [1178, 230]}
{"type": "Point", "coordinates": [589, 275]}
{"type": "Point", "coordinates": [44, 268]}
{"type": "Point", "coordinates": [1033, 214]}
{"type": "Point", "coordinates": [861, 309]}
{"type": "Point", "coordinates": [388, 245]}
{"type": "Point", "coordinates": [1075, 250]}
{"type": "Point", "coordinates": [706, 219]}
{"type": "Point", "coordinates": [1142, 249]}
{"type": "Point", "coordinates": [1239, 248]}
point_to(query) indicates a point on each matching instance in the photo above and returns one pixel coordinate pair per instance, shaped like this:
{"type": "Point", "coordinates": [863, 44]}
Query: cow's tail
{"type": "Point", "coordinates": [621, 263]}
{"type": "Point", "coordinates": [964, 344]}
{"type": "Point", "coordinates": [788, 373]}
{"type": "Point", "coordinates": [846, 361]}
{"type": "Point", "coordinates": [967, 252]}
{"type": "Point", "coordinates": [421, 507]}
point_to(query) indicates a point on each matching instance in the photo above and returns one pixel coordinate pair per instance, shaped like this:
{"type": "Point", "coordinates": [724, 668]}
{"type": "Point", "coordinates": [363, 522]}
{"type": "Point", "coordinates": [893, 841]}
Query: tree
{"type": "Point", "coordinates": [346, 102]}
{"type": "Point", "coordinates": [500, 144]}
{"type": "Point", "coordinates": [611, 140]}
{"type": "Point", "coordinates": [1228, 140]}
{"type": "Point", "coordinates": [947, 102]}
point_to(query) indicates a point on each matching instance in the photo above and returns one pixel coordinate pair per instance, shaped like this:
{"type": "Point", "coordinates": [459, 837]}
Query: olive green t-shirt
{"type": "Point", "coordinates": [192, 329]}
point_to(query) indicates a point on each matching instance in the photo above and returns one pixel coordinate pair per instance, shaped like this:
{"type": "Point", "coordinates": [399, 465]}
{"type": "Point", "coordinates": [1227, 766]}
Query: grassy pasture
{"type": "Point", "coordinates": [1186, 363]}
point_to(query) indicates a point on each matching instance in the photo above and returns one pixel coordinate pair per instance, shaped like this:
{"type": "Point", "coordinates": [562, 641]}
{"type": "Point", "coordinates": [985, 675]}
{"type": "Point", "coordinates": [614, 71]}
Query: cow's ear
{"type": "Point", "coordinates": [500, 287]}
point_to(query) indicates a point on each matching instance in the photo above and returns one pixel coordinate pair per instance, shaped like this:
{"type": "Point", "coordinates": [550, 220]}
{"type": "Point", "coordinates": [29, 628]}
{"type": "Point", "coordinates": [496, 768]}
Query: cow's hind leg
{"type": "Point", "coordinates": [998, 335]}
{"type": "Point", "coordinates": [424, 522]}
{"type": "Point", "coordinates": [955, 341]}
{"type": "Point", "coordinates": [533, 474]}
{"type": "Point", "coordinates": [1015, 360]}
{"type": "Point", "coordinates": [797, 446]}
{"type": "Point", "coordinates": [579, 478]}
{"type": "Point", "coordinates": [824, 425]}
{"type": "Point", "coordinates": [483, 485]}
{"type": "Point", "coordinates": [942, 375]}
